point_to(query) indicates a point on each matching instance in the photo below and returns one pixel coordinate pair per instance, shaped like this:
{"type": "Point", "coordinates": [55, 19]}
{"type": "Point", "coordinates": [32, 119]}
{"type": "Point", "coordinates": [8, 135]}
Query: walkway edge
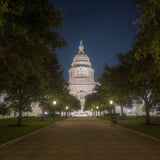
{"type": "Point", "coordinates": [141, 134]}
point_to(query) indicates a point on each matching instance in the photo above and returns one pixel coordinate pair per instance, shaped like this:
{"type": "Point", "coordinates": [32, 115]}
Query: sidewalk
{"type": "Point", "coordinates": [82, 139]}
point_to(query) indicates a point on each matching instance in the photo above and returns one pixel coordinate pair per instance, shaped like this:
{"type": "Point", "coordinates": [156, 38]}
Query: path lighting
{"type": "Point", "coordinates": [54, 103]}
{"type": "Point", "coordinates": [67, 110]}
{"type": "Point", "coordinates": [112, 105]}
{"type": "Point", "coordinates": [111, 102]}
{"type": "Point", "coordinates": [97, 110]}
{"type": "Point", "coordinates": [113, 114]}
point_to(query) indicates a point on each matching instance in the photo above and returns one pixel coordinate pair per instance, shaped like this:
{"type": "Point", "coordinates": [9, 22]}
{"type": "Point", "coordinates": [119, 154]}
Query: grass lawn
{"type": "Point", "coordinates": [138, 124]}
{"type": "Point", "coordinates": [8, 130]}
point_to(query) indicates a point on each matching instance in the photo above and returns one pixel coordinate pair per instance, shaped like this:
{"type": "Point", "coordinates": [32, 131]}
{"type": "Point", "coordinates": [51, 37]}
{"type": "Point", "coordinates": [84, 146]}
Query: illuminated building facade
{"type": "Point", "coordinates": [81, 76]}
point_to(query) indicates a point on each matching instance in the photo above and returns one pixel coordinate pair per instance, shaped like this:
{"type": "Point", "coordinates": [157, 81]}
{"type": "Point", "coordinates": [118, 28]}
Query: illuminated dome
{"type": "Point", "coordinates": [81, 59]}
{"type": "Point", "coordinates": [81, 66]}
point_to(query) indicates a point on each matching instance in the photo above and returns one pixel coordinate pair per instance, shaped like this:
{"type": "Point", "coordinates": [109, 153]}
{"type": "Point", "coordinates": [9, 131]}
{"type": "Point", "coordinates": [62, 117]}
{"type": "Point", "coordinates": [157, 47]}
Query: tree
{"type": "Point", "coordinates": [145, 80]}
{"type": "Point", "coordinates": [52, 82]}
{"type": "Point", "coordinates": [3, 109]}
{"type": "Point", "coordinates": [115, 81]}
{"type": "Point", "coordinates": [137, 73]}
{"type": "Point", "coordinates": [69, 100]}
{"type": "Point", "coordinates": [148, 36]}
{"type": "Point", "coordinates": [95, 100]}
{"type": "Point", "coordinates": [26, 33]}
{"type": "Point", "coordinates": [147, 49]}
{"type": "Point", "coordinates": [91, 101]}
{"type": "Point", "coordinates": [132, 77]}
{"type": "Point", "coordinates": [27, 42]}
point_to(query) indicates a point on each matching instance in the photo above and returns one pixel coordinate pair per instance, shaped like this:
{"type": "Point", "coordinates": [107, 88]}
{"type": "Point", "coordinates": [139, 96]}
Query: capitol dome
{"type": "Point", "coordinates": [81, 66]}
{"type": "Point", "coordinates": [81, 59]}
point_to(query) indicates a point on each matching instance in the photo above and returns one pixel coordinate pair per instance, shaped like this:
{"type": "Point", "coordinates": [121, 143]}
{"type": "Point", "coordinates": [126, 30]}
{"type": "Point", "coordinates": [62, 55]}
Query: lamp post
{"type": "Point", "coordinates": [113, 114]}
{"type": "Point", "coordinates": [97, 110]}
{"type": "Point", "coordinates": [66, 110]}
{"type": "Point", "coordinates": [54, 103]}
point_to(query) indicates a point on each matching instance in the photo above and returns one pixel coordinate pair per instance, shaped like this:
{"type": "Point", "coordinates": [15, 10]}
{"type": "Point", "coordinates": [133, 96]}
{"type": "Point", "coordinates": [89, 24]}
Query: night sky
{"type": "Point", "coordinates": [105, 26]}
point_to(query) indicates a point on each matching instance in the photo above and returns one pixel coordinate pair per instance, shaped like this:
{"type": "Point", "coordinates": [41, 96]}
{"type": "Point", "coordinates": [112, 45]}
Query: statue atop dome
{"type": "Point", "coordinates": [81, 47]}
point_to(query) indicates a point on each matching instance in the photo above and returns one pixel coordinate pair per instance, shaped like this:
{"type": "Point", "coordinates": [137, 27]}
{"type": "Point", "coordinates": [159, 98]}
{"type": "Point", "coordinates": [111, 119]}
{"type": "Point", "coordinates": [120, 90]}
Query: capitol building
{"type": "Point", "coordinates": [81, 76]}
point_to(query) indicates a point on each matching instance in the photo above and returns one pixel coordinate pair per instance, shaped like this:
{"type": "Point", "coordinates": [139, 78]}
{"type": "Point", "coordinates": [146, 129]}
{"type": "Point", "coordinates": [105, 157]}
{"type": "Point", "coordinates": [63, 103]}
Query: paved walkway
{"type": "Point", "coordinates": [82, 139]}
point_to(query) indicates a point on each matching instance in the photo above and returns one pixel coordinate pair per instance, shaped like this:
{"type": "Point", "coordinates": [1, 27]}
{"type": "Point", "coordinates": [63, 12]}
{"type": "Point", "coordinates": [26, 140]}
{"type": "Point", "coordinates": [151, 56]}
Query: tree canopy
{"type": "Point", "coordinates": [138, 71]}
{"type": "Point", "coordinates": [28, 63]}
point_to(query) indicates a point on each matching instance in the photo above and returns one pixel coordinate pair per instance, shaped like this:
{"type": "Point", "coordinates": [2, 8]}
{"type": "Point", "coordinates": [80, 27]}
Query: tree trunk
{"type": "Point", "coordinates": [20, 110]}
{"type": "Point", "coordinates": [148, 120]}
{"type": "Point", "coordinates": [122, 113]}
{"type": "Point", "coordinates": [14, 113]}
{"type": "Point", "coordinates": [42, 117]}
{"type": "Point", "coordinates": [100, 113]}
{"type": "Point", "coordinates": [19, 121]}
{"type": "Point", "coordinates": [114, 109]}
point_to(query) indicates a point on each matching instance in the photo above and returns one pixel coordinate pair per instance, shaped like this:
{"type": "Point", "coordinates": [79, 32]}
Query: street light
{"type": "Point", "coordinates": [97, 110]}
{"type": "Point", "coordinates": [113, 114]}
{"type": "Point", "coordinates": [54, 103]}
{"type": "Point", "coordinates": [66, 110]}
{"type": "Point", "coordinates": [112, 105]}
{"type": "Point", "coordinates": [111, 102]}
